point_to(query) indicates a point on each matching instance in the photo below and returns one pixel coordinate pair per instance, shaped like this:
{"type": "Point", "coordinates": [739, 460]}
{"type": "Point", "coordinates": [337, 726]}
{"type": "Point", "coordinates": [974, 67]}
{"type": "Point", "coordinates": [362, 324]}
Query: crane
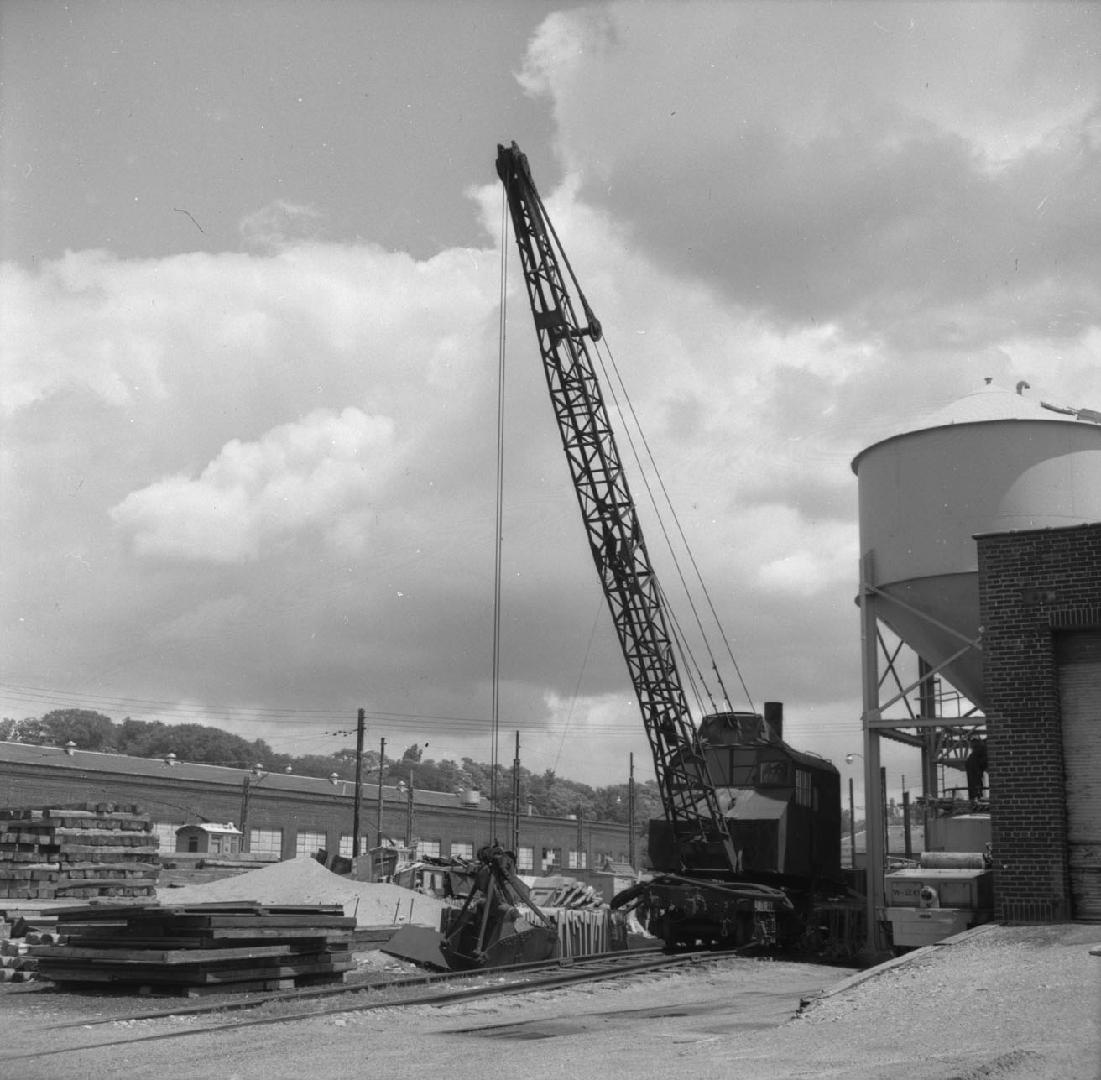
{"type": "Point", "coordinates": [753, 870]}
{"type": "Point", "coordinates": [612, 526]}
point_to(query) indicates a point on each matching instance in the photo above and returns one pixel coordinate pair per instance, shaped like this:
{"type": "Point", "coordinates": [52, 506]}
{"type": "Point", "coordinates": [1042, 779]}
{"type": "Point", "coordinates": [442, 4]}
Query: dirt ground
{"type": "Point", "coordinates": [1002, 1003]}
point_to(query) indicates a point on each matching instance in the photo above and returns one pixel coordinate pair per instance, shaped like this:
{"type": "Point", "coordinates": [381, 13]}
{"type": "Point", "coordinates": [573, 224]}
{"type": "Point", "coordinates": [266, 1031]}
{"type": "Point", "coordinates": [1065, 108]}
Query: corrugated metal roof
{"type": "Point", "coordinates": [84, 761]}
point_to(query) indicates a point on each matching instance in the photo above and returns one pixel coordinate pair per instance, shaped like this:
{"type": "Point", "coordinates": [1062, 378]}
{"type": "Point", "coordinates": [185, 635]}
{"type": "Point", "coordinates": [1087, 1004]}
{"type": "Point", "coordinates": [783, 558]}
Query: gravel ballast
{"type": "Point", "coordinates": [1002, 1003]}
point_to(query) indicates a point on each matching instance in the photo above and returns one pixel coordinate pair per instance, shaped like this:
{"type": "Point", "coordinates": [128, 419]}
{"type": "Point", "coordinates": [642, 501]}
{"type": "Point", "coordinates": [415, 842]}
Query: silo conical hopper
{"type": "Point", "coordinates": [994, 461]}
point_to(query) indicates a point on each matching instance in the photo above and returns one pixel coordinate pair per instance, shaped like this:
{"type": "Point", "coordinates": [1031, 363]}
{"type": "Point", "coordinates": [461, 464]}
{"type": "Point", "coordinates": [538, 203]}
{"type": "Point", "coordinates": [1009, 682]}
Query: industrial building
{"type": "Point", "coordinates": [285, 815]}
{"type": "Point", "coordinates": [980, 541]}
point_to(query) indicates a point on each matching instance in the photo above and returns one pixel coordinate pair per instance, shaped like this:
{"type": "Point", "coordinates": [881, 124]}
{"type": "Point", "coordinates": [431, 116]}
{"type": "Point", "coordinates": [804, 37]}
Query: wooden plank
{"type": "Point", "coordinates": [63, 974]}
{"type": "Point", "coordinates": [227, 922]}
{"type": "Point", "coordinates": [129, 970]}
{"type": "Point", "coordinates": [126, 882]}
{"type": "Point", "coordinates": [97, 912]}
{"type": "Point", "coordinates": [102, 849]}
{"type": "Point", "coordinates": [139, 865]}
{"type": "Point", "coordinates": [207, 939]}
{"type": "Point", "coordinates": [261, 986]}
{"type": "Point", "coordinates": [237, 906]}
{"type": "Point", "coordinates": [167, 956]}
{"type": "Point", "coordinates": [283, 971]}
{"type": "Point", "coordinates": [192, 976]}
{"type": "Point", "coordinates": [260, 933]}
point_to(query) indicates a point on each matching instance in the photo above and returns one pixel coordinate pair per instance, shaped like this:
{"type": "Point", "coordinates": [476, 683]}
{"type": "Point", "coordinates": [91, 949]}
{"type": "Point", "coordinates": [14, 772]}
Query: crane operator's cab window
{"type": "Point", "coordinates": [740, 767]}
{"type": "Point", "coordinates": [804, 790]}
{"type": "Point", "coordinates": [771, 774]}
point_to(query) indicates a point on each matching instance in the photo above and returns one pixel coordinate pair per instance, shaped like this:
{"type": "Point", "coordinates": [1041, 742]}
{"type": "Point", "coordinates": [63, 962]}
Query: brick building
{"type": "Point", "coordinates": [1040, 609]}
{"type": "Point", "coordinates": [288, 815]}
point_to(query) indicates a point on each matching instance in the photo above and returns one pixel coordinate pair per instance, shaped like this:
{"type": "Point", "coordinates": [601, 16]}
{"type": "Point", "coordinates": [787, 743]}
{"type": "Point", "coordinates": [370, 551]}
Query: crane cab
{"type": "Point", "coordinates": [782, 806]}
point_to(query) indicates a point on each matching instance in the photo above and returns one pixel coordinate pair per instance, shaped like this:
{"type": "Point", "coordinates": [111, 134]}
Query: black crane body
{"type": "Point", "coordinates": [708, 896]}
{"type": "Point", "coordinates": [611, 522]}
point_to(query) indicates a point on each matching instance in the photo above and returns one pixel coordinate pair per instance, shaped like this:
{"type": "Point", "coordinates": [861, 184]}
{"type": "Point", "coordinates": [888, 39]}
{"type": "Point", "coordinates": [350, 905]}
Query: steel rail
{"type": "Point", "coordinates": [605, 969]}
{"type": "Point", "coordinates": [379, 983]}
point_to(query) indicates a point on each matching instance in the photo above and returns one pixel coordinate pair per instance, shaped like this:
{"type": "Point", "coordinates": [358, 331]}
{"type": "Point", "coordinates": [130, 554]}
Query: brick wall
{"type": "Point", "coordinates": [1032, 585]}
{"type": "Point", "coordinates": [173, 798]}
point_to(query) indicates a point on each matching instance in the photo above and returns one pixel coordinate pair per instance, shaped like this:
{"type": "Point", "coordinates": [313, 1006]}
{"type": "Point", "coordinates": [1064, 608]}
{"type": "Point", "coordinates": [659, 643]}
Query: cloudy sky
{"type": "Point", "coordinates": [250, 306]}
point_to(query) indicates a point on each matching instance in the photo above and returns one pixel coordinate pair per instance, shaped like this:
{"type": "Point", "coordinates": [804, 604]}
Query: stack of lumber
{"type": "Point", "coordinates": [180, 869]}
{"type": "Point", "coordinates": [77, 852]}
{"type": "Point", "coordinates": [16, 940]}
{"type": "Point", "coordinates": [200, 949]}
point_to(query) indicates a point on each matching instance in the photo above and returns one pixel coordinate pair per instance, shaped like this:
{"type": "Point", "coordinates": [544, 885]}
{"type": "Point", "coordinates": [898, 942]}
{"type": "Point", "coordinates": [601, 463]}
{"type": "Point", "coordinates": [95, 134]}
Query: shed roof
{"type": "Point", "coordinates": [90, 761]}
{"type": "Point", "coordinates": [213, 827]}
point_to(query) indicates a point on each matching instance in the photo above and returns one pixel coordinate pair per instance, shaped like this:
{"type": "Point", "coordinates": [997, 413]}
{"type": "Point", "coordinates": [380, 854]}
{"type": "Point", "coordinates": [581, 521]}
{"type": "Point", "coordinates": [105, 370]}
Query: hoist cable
{"type": "Point", "coordinates": [596, 335]}
{"type": "Point", "coordinates": [653, 502]}
{"type": "Point", "coordinates": [688, 657]}
{"type": "Point", "coordinates": [498, 535]}
{"type": "Point", "coordinates": [680, 530]}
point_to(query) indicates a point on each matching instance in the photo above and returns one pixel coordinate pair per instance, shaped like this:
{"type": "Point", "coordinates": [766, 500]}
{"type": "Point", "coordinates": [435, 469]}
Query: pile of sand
{"type": "Point", "coordinates": [306, 881]}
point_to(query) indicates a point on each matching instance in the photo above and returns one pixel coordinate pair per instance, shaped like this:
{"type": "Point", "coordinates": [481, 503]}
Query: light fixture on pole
{"type": "Point", "coordinates": [849, 759]}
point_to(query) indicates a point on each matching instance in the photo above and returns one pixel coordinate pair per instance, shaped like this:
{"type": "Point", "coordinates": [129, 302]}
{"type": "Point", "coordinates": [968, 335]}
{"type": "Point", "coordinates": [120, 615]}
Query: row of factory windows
{"type": "Point", "coordinates": [308, 843]}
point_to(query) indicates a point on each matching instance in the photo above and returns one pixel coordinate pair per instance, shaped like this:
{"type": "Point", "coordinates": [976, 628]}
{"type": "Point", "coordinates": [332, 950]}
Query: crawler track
{"type": "Point", "coordinates": [286, 1007]}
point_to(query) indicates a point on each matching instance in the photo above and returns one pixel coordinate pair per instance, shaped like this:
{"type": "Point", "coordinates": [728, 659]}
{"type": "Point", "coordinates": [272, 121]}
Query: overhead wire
{"type": "Point", "coordinates": [270, 714]}
{"type": "Point", "coordinates": [601, 346]}
{"type": "Point", "coordinates": [605, 347]}
{"type": "Point", "coordinates": [577, 685]}
{"type": "Point", "coordinates": [690, 666]}
{"type": "Point", "coordinates": [459, 724]}
{"type": "Point", "coordinates": [498, 533]}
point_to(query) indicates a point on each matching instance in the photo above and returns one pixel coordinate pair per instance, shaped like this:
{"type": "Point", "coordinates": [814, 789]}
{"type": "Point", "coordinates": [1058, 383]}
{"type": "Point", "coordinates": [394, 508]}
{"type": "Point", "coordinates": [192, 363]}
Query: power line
{"type": "Point", "coordinates": [242, 712]}
{"type": "Point", "coordinates": [459, 725]}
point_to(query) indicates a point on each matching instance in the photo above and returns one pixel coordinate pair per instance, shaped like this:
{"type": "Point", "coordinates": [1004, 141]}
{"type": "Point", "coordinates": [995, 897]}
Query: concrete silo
{"type": "Point", "coordinates": [993, 463]}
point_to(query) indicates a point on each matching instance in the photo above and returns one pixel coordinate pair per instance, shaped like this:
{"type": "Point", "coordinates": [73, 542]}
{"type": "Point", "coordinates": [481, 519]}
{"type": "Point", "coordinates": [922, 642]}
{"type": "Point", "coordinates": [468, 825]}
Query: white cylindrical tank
{"type": "Point", "coordinates": [994, 461]}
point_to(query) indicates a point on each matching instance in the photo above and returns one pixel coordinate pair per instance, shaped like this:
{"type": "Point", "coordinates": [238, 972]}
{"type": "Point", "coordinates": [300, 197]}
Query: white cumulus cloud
{"type": "Point", "coordinates": [303, 476]}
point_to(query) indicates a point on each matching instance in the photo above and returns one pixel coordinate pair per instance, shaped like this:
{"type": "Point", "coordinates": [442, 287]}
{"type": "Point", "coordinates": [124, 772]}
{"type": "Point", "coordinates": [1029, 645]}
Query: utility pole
{"type": "Point", "coordinates": [245, 793]}
{"type": "Point", "coordinates": [883, 812]}
{"type": "Point", "coordinates": [358, 801]}
{"type": "Point", "coordinates": [852, 827]}
{"type": "Point", "coordinates": [378, 810]}
{"type": "Point", "coordinates": [409, 812]}
{"type": "Point", "coordinates": [927, 698]}
{"type": "Point", "coordinates": [516, 799]}
{"type": "Point", "coordinates": [631, 813]}
{"type": "Point", "coordinates": [580, 837]}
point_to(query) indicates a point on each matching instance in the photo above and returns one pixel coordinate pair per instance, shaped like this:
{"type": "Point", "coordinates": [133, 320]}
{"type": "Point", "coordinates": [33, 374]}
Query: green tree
{"type": "Point", "coordinates": [89, 730]}
{"type": "Point", "coordinates": [27, 730]}
{"type": "Point", "coordinates": [546, 792]}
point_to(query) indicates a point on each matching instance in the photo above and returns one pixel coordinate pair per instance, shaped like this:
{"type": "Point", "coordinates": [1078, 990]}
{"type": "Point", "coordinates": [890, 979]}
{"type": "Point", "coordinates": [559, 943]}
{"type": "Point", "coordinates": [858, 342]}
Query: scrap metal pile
{"type": "Point", "coordinates": [498, 922]}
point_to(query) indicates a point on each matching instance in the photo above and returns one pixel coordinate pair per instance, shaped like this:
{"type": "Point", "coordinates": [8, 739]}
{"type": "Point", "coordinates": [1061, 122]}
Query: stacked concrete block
{"type": "Point", "coordinates": [77, 852]}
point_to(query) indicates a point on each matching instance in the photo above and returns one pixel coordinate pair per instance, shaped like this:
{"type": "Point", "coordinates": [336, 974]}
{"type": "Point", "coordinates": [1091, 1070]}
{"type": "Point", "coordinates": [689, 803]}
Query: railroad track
{"type": "Point", "coordinates": [402, 992]}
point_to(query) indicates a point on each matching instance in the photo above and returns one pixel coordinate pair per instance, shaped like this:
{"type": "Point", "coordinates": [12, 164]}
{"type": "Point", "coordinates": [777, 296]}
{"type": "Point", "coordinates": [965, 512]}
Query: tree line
{"type": "Point", "coordinates": [544, 793]}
